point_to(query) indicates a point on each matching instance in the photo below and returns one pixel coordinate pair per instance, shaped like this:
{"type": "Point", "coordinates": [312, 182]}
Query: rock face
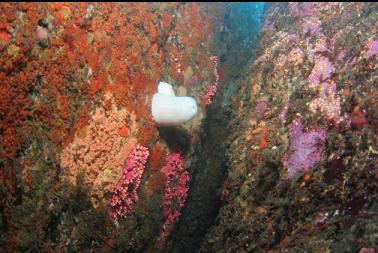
{"type": "Point", "coordinates": [76, 84]}
{"type": "Point", "coordinates": [281, 156]}
{"type": "Point", "coordinates": [302, 172]}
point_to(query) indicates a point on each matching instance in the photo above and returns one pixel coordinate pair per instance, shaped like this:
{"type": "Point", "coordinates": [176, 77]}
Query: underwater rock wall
{"type": "Point", "coordinates": [76, 83]}
{"type": "Point", "coordinates": [303, 150]}
{"type": "Point", "coordinates": [208, 170]}
{"type": "Point", "coordinates": [282, 156]}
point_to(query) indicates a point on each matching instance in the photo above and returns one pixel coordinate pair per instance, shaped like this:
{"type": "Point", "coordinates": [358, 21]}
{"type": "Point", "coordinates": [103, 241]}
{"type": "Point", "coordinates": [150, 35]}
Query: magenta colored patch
{"type": "Point", "coordinates": [302, 9]}
{"type": "Point", "coordinates": [372, 48]}
{"type": "Point", "coordinates": [322, 70]}
{"type": "Point", "coordinates": [329, 88]}
{"type": "Point", "coordinates": [320, 220]}
{"type": "Point", "coordinates": [125, 192]}
{"type": "Point", "coordinates": [352, 61]}
{"type": "Point", "coordinates": [193, 80]}
{"type": "Point", "coordinates": [175, 191]}
{"type": "Point", "coordinates": [305, 148]}
{"type": "Point", "coordinates": [312, 26]}
{"type": "Point", "coordinates": [340, 56]}
{"type": "Point", "coordinates": [261, 108]}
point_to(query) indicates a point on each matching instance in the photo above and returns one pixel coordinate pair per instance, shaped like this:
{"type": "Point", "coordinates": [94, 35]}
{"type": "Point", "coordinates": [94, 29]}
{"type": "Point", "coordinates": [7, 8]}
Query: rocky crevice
{"type": "Point", "coordinates": [209, 166]}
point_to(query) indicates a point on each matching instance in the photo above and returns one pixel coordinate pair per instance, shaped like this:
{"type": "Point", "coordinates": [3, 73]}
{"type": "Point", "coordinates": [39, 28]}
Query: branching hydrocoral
{"type": "Point", "coordinates": [213, 88]}
{"type": "Point", "coordinates": [176, 190]}
{"type": "Point", "coordinates": [125, 193]}
{"type": "Point", "coordinates": [305, 148]}
{"type": "Point", "coordinates": [99, 151]}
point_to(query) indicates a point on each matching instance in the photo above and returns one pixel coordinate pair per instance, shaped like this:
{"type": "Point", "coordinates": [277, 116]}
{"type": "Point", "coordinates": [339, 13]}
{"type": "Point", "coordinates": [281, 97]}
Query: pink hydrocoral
{"type": "Point", "coordinates": [305, 148]}
{"type": "Point", "coordinates": [125, 193]}
{"type": "Point", "coordinates": [213, 88]}
{"type": "Point", "coordinates": [214, 59]}
{"type": "Point", "coordinates": [210, 93]}
{"type": "Point", "coordinates": [176, 189]}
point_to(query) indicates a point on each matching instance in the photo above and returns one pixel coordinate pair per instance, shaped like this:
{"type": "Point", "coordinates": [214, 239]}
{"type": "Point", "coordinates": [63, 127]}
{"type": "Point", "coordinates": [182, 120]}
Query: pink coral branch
{"type": "Point", "coordinates": [213, 88]}
{"type": "Point", "coordinates": [125, 193]}
{"type": "Point", "coordinates": [210, 93]}
{"type": "Point", "coordinates": [176, 190]}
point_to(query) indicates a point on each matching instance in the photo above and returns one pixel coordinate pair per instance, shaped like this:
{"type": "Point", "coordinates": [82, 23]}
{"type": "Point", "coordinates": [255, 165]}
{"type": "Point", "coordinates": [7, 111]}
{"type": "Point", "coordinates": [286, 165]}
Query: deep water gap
{"type": "Point", "coordinates": [234, 48]}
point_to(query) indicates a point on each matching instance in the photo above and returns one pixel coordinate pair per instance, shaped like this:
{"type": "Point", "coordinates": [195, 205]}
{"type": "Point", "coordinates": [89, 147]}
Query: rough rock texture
{"type": "Point", "coordinates": [98, 151]}
{"type": "Point", "coordinates": [312, 62]}
{"type": "Point", "coordinates": [76, 83]}
{"type": "Point", "coordinates": [284, 159]}
{"type": "Point", "coordinates": [209, 165]}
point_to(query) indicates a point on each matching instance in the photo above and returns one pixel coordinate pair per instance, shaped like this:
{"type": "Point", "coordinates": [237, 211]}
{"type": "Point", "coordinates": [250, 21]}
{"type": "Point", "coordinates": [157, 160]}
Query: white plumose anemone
{"type": "Point", "coordinates": [169, 110]}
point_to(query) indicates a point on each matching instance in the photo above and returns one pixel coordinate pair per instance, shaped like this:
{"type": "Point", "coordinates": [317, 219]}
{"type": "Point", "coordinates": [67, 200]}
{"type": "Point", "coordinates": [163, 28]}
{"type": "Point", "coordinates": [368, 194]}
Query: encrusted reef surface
{"type": "Point", "coordinates": [302, 152]}
{"type": "Point", "coordinates": [209, 169]}
{"type": "Point", "coordinates": [76, 83]}
{"type": "Point", "coordinates": [282, 156]}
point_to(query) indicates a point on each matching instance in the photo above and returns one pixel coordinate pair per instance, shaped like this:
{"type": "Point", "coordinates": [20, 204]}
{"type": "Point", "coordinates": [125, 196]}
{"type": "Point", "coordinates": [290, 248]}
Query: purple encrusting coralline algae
{"type": "Point", "coordinates": [372, 46]}
{"type": "Point", "coordinates": [312, 26]}
{"type": "Point", "coordinates": [340, 55]}
{"type": "Point", "coordinates": [305, 9]}
{"type": "Point", "coordinates": [305, 148]}
{"type": "Point", "coordinates": [309, 8]}
{"type": "Point", "coordinates": [261, 108]}
{"type": "Point", "coordinates": [322, 70]}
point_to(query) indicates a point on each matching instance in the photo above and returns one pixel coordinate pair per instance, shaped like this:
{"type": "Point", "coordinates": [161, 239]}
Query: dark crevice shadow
{"type": "Point", "coordinates": [177, 138]}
